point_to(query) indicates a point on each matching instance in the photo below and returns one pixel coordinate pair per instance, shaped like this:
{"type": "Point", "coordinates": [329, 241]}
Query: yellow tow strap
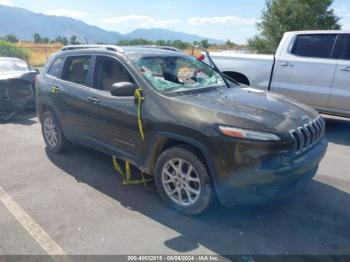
{"type": "Point", "coordinates": [139, 96]}
{"type": "Point", "coordinates": [126, 176]}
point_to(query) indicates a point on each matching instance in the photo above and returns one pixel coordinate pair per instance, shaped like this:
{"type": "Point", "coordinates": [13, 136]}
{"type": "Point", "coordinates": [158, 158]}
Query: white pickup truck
{"type": "Point", "coordinates": [311, 66]}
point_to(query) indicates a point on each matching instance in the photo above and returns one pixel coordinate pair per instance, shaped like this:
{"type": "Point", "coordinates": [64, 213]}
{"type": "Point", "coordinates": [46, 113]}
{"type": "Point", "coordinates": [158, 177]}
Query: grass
{"type": "Point", "coordinates": [39, 53]}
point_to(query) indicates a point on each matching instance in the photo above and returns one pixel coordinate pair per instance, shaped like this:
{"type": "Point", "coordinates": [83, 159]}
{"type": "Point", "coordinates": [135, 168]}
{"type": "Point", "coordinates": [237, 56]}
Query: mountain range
{"type": "Point", "coordinates": [23, 24]}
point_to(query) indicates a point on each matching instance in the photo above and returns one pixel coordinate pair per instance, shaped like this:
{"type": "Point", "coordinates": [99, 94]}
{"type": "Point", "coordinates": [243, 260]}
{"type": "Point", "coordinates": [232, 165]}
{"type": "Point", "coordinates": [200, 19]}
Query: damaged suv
{"type": "Point", "coordinates": [178, 119]}
{"type": "Point", "coordinates": [17, 91]}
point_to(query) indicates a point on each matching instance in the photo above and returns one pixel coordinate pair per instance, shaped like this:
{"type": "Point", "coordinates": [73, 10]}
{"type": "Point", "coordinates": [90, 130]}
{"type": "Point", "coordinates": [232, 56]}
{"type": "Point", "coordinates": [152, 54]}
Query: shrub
{"type": "Point", "coordinates": [9, 50]}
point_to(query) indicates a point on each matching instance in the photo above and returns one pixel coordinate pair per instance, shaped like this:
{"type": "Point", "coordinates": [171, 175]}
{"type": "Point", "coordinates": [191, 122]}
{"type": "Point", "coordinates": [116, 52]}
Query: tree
{"type": "Point", "coordinates": [73, 40]}
{"type": "Point", "coordinates": [180, 44]}
{"type": "Point", "coordinates": [61, 40]}
{"type": "Point", "coordinates": [204, 43]}
{"type": "Point", "coordinates": [280, 16]}
{"type": "Point", "coordinates": [37, 38]}
{"type": "Point", "coordinates": [161, 42]}
{"type": "Point", "coordinates": [45, 40]}
{"type": "Point", "coordinates": [9, 49]}
{"type": "Point", "coordinates": [230, 44]}
{"type": "Point", "coordinates": [11, 38]}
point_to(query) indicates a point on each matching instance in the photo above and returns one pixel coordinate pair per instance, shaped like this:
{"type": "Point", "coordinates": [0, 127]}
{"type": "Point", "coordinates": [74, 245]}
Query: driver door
{"type": "Point", "coordinates": [115, 118]}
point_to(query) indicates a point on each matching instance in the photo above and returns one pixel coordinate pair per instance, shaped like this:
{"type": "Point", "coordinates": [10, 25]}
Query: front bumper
{"type": "Point", "coordinates": [262, 184]}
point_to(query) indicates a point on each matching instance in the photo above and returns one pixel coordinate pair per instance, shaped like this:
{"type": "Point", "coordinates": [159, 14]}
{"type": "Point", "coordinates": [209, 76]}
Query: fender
{"type": "Point", "coordinates": [152, 150]}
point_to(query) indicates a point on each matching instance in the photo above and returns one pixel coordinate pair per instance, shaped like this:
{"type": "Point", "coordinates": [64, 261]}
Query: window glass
{"type": "Point", "coordinates": [345, 50]}
{"type": "Point", "coordinates": [176, 73]}
{"type": "Point", "coordinates": [109, 72]}
{"type": "Point", "coordinates": [56, 67]}
{"type": "Point", "coordinates": [76, 69]}
{"type": "Point", "coordinates": [318, 46]}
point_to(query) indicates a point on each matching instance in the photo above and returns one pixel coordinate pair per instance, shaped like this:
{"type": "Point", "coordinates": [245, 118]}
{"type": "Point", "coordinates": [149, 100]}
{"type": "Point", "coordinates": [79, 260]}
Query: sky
{"type": "Point", "coordinates": [225, 19]}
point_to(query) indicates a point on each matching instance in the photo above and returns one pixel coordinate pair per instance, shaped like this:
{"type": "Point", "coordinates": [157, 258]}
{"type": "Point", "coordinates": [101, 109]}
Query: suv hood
{"type": "Point", "coordinates": [251, 108]}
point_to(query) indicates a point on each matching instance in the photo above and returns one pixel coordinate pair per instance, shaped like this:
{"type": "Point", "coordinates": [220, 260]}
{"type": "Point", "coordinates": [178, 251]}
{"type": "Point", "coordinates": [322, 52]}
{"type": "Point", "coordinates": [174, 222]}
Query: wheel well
{"type": "Point", "coordinates": [42, 109]}
{"type": "Point", "coordinates": [166, 143]}
{"type": "Point", "coordinates": [240, 78]}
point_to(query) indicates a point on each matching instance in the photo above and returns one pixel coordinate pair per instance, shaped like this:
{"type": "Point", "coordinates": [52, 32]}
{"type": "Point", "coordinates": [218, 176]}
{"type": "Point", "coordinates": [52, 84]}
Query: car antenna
{"type": "Point", "coordinates": [213, 65]}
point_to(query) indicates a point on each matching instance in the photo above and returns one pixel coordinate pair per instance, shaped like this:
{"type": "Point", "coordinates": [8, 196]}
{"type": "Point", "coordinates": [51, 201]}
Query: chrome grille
{"type": "Point", "coordinates": [308, 135]}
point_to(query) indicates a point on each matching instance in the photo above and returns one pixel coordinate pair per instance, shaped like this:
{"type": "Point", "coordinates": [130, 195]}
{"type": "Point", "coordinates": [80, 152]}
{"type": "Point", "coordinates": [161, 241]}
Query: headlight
{"type": "Point", "coordinates": [248, 134]}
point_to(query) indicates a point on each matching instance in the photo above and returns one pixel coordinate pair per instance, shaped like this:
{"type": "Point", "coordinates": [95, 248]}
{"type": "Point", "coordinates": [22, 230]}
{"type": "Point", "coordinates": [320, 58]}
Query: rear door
{"type": "Point", "coordinates": [305, 72]}
{"type": "Point", "coordinates": [71, 93]}
{"type": "Point", "coordinates": [340, 92]}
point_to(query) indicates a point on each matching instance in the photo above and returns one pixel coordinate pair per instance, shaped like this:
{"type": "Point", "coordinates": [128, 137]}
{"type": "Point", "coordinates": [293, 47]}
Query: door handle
{"type": "Point", "coordinates": [93, 100]}
{"type": "Point", "coordinates": [287, 64]}
{"type": "Point", "coordinates": [345, 69]}
{"type": "Point", "coordinates": [55, 90]}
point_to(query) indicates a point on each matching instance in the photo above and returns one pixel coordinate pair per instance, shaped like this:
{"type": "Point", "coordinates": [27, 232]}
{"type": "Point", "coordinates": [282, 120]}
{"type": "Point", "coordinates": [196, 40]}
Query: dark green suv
{"type": "Point", "coordinates": [178, 119]}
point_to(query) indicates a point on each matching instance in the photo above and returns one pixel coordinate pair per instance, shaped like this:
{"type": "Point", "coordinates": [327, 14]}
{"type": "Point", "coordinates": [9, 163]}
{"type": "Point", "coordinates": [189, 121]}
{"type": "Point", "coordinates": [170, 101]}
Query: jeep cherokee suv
{"type": "Point", "coordinates": [197, 133]}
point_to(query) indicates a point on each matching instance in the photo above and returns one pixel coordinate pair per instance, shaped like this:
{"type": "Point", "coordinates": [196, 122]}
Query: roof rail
{"type": "Point", "coordinates": [107, 47]}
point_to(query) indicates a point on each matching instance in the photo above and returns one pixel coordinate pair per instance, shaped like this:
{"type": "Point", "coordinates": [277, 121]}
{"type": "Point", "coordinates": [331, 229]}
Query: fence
{"type": "Point", "coordinates": [39, 53]}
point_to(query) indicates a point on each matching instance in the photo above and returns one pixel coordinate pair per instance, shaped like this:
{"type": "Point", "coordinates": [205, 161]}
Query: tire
{"type": "Point", "coordinates": [172, 181]}
{"type": "Point", "coordinates": [54, 137]}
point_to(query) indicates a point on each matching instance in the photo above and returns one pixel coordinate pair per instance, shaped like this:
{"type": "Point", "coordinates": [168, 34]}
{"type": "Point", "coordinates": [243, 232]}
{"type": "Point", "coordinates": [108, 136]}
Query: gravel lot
{"type": "Point", "coordinates": [78, 200]}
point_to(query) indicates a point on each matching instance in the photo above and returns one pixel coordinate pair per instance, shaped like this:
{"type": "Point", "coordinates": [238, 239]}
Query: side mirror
{"type": "Point", "coordinates": [123, 89]}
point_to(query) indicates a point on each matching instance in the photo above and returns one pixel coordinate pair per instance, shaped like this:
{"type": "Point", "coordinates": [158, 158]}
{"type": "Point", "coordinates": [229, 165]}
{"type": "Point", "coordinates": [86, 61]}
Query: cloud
{"type": "Point", "coordinates": [66, 12]}
{"type": "Point", "coordinates": [6, 2]}
{"type": "Point", "coordinates": [140, 21]}
{"type": "Point", "coordinates": [221, 20]}
{"type": "Point", "coordinates": [344, 12]}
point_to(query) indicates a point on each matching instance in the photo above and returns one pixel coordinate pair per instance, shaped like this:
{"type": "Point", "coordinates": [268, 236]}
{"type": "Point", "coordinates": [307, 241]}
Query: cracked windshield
{"type": "Point", "coordinates": [177, 73]}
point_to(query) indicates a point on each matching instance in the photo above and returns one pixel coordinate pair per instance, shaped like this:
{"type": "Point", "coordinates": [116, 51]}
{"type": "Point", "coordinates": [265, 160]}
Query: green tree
{"type": "Point", "coordinates": [61, 40]}
{"type": "Point", "coordinates": [205, 43]}
{"type": "Point", "coordinates": [180, 44]}
{"type": "Point", "coordinates": [230, 44]}
{"type": "Point", "coordinates": [9, 49]}
{"type": "Point", "coordinates": [161, 42]}
{"type": "Point", "coordinates": [45, 40]}
{"type": "Point", "coordinates": [11, 38]}
{"type": "Point", "coordinates": [280, 16]}
{"type": "Point", "coordinates": [73, 40]}
{"type": "Point", "coordinates": [138, 41]}
{"type": "Point", "coordinates": [37, 38]}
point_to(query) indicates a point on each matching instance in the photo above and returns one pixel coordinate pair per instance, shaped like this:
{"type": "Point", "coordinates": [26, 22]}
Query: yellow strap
{"type": "Point", "coordinates": [127, 171]}
{"type": "Point", "coordinates": [126, 176]}
{"type": "Point", "coordinates": [138, 95]}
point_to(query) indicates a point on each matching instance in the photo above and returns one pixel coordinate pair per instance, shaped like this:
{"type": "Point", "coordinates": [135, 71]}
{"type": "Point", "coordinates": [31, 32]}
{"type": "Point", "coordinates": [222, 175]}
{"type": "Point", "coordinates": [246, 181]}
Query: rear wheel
{"type": "Point", "coordinates": [53, 135]}
{"type": "Point", "coordinates": [183, 181]}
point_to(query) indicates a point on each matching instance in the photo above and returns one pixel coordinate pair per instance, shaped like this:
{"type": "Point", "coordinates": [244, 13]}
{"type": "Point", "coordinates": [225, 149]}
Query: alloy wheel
{"type": "Point", "coordinates": [181, 182]}
{"type": "Point", "coordinates": [50, 132]}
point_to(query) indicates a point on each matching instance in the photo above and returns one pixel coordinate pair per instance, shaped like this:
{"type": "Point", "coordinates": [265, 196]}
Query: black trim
{"type": "Point", "coordinates": [161, 135]}
{"type": "Point", "coordinates": [271, 74]}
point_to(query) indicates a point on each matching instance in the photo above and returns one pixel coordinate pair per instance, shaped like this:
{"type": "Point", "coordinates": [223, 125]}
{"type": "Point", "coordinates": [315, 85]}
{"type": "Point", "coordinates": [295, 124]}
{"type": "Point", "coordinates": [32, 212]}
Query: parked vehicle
{"type": "Point", "coordinates": [17, 90]}
{"type": "Point", "coordinates": [203, 136]}
{"type": "Point", "coordinates": [310, 66]}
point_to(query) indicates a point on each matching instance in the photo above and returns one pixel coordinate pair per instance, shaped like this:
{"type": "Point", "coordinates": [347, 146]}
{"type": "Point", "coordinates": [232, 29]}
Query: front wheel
{"type": "Point", "coordinates": [183, 181]}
